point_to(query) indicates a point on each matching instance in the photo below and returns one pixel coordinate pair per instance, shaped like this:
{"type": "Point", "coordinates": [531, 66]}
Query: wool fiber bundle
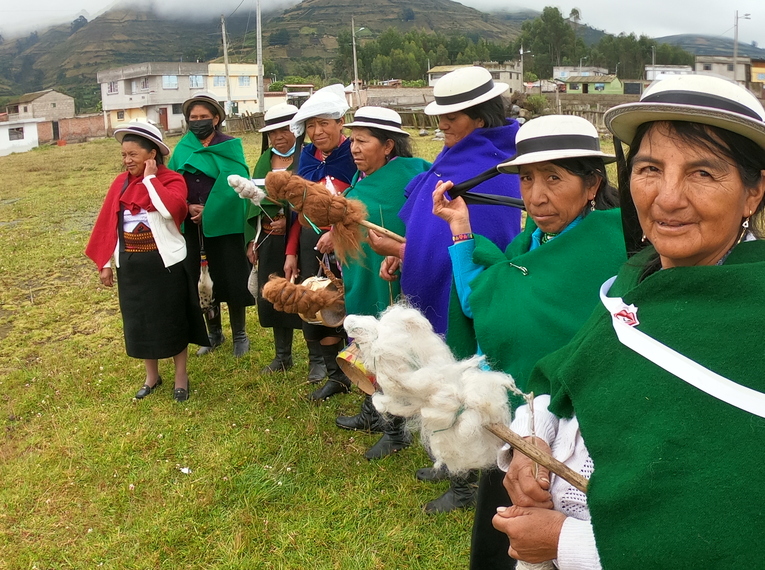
{"type": "Point", "coordinates": [247, 189]}
{"type": "Point", "coordinates": [448, 401]}
{"type": "Point", "coordinates": [318, 207]}
{"type": "Point", "coordinates": [291, 298]}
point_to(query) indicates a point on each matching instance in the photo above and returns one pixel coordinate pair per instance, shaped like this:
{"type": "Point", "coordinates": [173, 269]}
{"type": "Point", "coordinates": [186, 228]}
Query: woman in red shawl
{"type": "Point", "coordinates": [139, 225]}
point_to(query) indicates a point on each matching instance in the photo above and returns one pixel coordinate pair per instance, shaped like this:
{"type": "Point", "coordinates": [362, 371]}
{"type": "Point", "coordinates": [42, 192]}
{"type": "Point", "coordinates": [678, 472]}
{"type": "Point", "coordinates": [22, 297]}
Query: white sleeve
{"type": "Point", "coordinates": [545, 424]}
{"type": "Point", "coordinates": [155, 199]}
{"type": "Point", "coordinates": [576, 546]}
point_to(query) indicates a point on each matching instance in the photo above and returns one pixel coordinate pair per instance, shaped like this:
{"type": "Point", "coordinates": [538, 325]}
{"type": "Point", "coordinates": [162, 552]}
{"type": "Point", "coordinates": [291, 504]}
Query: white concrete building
{"type": "Point", "coordinates": [722, 65]}
{"type": "Point", "coordinates": [508, 72]}
{"type": "Point", "coordinates": [19, 135]}
{"type": "Point", "coordinates": [653, 72]}
{"type": "Point", "coordinates": [564, 72]}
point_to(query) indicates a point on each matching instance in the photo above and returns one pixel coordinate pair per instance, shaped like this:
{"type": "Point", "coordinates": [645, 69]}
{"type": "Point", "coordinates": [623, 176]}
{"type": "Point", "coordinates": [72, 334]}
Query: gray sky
{"type": "Point", "coordinates": [651, 17]}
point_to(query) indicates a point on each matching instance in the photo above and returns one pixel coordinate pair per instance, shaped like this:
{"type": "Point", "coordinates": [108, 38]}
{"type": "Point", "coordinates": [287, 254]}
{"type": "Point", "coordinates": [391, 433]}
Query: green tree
{"type": "Point", "coordinates": [280, 37]}
{"type": "Point", "coordinates": [549, 38]}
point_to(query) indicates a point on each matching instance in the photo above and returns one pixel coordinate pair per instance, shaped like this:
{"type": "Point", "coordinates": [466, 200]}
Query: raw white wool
{"type": "Point", "coordinates": [448, 401]}
{"type": "Point", "coordinates": [247, 189]}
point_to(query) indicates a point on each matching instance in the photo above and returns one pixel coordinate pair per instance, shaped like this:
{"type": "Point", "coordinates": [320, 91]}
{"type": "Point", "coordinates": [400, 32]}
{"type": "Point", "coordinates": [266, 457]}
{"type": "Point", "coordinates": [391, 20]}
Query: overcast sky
{"type": "Point", "coordinates": [654, 18]}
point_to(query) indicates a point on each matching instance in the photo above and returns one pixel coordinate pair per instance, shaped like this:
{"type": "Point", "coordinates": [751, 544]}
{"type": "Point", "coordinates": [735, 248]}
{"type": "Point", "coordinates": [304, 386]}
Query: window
{"type": "Point", "coordinates": [144, 84]}
{"type": "Point", "coordinates": [760, 77]}
{"type": "Point", "coordinates": [53, 105]}
{"type": "Point", "coordinates": [707, 67]}
{"type": "Point", "coordinates": [25, 108]}
{"type": "Point", "coordinates": [169, 82]}
{"type": "Point", "coordinates": [730, 67]}
{"type": "Point", "coordinates": [244, 81]}
{"type": "Point", "coordinates": [112, 88]}
{"type": "Point", "coordinates": [495, 75]}
{"type": "Point", "coordinates": [196, 82]}
{"type": "Point", "coordinates": [219, 81]}
{"type": "Point", "coordinates": [177, 109]}
{"type": "Point", "coordinates": [600, 87]}
{"type": "Point", "coordinates": [120, 115]}
{"type": "Point", "coordinates": [16, 134]}
{"type": "Point", "coordinates": [574, 86]}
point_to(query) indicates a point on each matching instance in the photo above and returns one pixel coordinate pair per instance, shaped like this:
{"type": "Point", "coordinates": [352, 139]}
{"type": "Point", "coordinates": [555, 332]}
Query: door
{"type": "Point", "coordinates": [585, 87]}
{"type": "Point", "coordinates": [163, 118]}
{"type": "Point", "coordinates": [55, 130]}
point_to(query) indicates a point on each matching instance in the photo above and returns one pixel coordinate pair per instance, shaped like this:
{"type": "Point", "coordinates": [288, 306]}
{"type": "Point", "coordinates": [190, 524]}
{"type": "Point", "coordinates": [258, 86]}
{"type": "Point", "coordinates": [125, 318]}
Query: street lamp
{"type": "Point", "coordinates": [523, 77]}
{"type": "Point", "coordinates": [581, 59]}
{"type": "Point", "coordinates": [355, 63]}
{"type": "Point", "coordinates": [735, 40]}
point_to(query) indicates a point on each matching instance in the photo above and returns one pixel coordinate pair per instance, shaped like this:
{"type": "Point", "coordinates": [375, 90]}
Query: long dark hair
{"type": "Point", "coordinates": [492, 112]}
{"type": "Point", "coordinates": [146, 145]}
{"type": "Point", "coordinates": [402, 146]}
{"type": "Point", "coordinates": [589, 169]}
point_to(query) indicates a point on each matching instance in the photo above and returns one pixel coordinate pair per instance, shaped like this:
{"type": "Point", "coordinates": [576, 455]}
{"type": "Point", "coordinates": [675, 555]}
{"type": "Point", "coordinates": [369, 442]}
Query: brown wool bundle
{"type": "Point", "coordinates": [317, 206]}
{"type": "Point", "coordinates": [449, 401]}
{"type": "Point", "coordinates": [291, 298]}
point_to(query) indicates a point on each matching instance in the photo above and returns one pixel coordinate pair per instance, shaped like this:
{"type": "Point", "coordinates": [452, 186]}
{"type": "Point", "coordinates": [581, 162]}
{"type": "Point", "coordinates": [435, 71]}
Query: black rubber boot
{"type": "Point", "coordinates": [368, 419]}
{"type": "Point", "coordinates": [461, 495]}
{"type": "Point", "coordinates": [395, 438]}
{"type": "Point", "coordinates": [215, 331]}
{"type": "Point", "coordinates": [337, 381]}
{"type": "Point", "coordinates": [237, 316]}
{"type": "Point", "coordinates": [431, 474]}
{"type": "Point", "coordinates": [317, 371]}
{"type": "Point", "coordinates": [283, 345]}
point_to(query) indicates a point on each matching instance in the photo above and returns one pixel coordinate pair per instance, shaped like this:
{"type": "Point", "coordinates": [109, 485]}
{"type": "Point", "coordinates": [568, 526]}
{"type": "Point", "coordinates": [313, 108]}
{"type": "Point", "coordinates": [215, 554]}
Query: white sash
{"type": "Point", "coordinates": [624, 319]}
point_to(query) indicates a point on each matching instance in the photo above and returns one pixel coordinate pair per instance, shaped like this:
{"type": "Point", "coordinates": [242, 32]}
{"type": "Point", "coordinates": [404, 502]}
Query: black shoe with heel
{"type": "Point", "coordinates": [146, 389]}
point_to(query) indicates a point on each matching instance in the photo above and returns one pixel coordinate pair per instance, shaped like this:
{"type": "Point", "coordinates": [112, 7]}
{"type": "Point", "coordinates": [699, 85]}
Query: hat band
{"type": "Point", "coordinates": [701, 100]}
{"type": "Point", "coordinates": [467, 95]}
{"type": "Point", "coordinates": [557, 142]}
{"type": "Point", "coordinates": [282, 119]}
{"type": "Point", "coordinates": [146, 132]}
{"type": "Point", "coordinates": [377, 121]}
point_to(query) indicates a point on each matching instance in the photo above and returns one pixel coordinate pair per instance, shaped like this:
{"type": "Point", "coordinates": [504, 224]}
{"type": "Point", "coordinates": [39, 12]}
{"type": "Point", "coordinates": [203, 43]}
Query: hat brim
{"type": "Point", "coordinates": [119, 134]}
{"type": "Point", "coordinates": [189, 102]}
{"type": "Point", "coordinates": [378, 126]}
{"type": "Point", "coordinates": [511, 166]}
{"type": "Point", "coordinates": [624, 120]}
{"type": "Point", "coordinates": [434, 108]}
{"type": "Point", "coordinates": [275, 126]}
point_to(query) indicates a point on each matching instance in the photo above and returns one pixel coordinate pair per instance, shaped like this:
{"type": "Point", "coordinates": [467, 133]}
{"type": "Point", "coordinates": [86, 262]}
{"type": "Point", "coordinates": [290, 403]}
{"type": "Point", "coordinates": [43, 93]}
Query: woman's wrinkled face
{"type": "Point", "coordinates": [282, 139]}
{"type": "Point", "coordinates": [456, 126]}
{"type": "Point", "coordinates": [368, 152]}
{"type": "Point", "coordinates": [553, 196]}
{"type": "Point", "coordinates": [134, 157]}
{"type": "Point", "coordinates": [324, 133]}
{"type": "Point", "coordinates": [690, 201]}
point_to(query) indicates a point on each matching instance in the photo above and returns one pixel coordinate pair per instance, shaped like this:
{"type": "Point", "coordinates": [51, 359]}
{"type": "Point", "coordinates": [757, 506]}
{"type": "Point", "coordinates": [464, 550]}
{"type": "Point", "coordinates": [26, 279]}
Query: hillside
{"type": "Point", "coordinates": [712, 45]}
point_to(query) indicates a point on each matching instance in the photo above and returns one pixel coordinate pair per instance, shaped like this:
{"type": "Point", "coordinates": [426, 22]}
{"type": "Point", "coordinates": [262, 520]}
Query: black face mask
{"type": "Point", "coordinates": [202, 129]}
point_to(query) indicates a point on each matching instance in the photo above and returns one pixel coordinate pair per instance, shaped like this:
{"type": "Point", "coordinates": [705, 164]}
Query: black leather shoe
{"type": "Point", "coordinates": [368, 419]}
{"type": "Point", "coordinates": [146, 389]}
{"type": "Point", "coordinates": [388, 444]}
{"type": "Point", "coordinates": [329, 389]}
{"type": "Point", "coordinates": [431, 474]}
{"type": "Point", "coordinates": [181, 394]}
{"type": "Point", "coordinates": [461, 495]}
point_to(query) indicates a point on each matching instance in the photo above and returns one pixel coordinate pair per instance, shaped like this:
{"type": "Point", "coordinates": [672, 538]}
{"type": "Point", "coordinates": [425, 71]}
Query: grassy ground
{"type": "Point", "coordinates": [246, 474]}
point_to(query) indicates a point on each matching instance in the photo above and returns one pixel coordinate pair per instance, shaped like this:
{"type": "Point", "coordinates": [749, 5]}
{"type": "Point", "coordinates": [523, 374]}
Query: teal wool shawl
{"type": "Point", "coordinates": [678, 480]}
{"type": "Point", "coordinates": [526, 304]}
{"type": "Point", "coordinates": [382, 192]}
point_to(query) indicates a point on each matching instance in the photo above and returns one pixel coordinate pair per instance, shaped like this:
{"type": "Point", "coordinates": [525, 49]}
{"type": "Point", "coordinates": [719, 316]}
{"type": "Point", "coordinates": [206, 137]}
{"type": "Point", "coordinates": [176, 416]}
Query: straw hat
{"type": "Point", "coordinates": [554, 137]}
{"type": "Point", "coordinates": [701, 99]}
{"type": "Point", "coordinates": [278, 116]}
{"type": "Point", "coordinates": [464, 88]}
{"type": "Point", "coordinates": [204, 97]}
{"type": "Point", "coordinates": [144, 130]}
{"type": "Point", "coordinates": [378, 118]}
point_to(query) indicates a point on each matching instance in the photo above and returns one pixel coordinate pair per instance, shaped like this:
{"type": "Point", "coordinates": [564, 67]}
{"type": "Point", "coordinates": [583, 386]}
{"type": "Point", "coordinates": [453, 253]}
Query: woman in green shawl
{"type": "Point", "coordinates": [659, 397]}
{"type": "Point", "coordinates": [217, 216]}
{"type": "Point", "coordinates": [382, 152]}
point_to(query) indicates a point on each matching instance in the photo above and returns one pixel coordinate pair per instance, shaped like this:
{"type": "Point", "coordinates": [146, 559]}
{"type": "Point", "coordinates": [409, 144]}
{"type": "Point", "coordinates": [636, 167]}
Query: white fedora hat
{"type": "Point", "coordinates": [278, 116]}
{"type": "Point", "coordinates": [143, 130]}
{"type": "Point", "coordinates": [463, 88]}
{"type": "Point", "coordinates": [378, 118]}
{"type": "Point", "coordinates": [554, 137]}
{"type": "Point", "coordinates": [204, 97]}
{"type": "Point", "coordinates": [704, 99]}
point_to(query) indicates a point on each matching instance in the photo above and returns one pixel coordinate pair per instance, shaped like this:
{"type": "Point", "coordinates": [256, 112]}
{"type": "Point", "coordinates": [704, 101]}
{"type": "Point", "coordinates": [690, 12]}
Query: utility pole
{"type": "Point", "coordinates": [225, 63]}
{"type": "Point", "coordinates": [261, 94]}
{"type": "Point", "coordinates": [735, 43]}
{"type": "Point", "coordinates": [355, 65]}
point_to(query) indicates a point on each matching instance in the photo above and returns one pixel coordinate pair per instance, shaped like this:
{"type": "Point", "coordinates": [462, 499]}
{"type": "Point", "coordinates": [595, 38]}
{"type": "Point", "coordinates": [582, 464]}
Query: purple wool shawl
{"type": "Point", "coordinates": [426, 275]}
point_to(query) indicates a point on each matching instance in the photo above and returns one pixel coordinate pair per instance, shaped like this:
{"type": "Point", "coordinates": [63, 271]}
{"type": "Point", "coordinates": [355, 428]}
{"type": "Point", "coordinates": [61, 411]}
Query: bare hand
{"type": "Point", "coordinates": [528, 484]}
{"type": "Point", "coordinates": [325, 243]}
{"type": "Point", "coordinates": [383, 245]}
{"type": "Point", "coordinates": [389, 268]}
{"type": "Point", "coordinates": [106, 275]}
{"type": "Point", "coordinates": [279, 226]}
{"type": "Point", "coordinates": [195, 210]}
{"type": "Point", "coordinates": [455, 212]}
{"type": "Point", "coordinates": [533, 533]}
{"type": "Point", "coordinates": [291, 270]}
{"type": "Point", "coordinates": [252, 252]}
{"type": "Point", "coordinates": [150, 167]}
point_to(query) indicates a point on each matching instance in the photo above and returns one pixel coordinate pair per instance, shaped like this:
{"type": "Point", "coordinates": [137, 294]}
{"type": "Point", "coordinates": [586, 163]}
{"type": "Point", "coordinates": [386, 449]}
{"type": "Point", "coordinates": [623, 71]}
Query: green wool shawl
{"type": "Point", "coordinates": [382, 192]}
{"type": "Point", "coordinates": [225, 212]}
{"type": "Point", "coordinates": [678, 480]}
{"type": "Point", "coordinates": [519, 318]}
{"type": "Point", "coordinates": [262, 167]}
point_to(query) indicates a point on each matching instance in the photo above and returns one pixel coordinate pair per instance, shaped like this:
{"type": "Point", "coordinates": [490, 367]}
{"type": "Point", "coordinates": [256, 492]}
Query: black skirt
{"type": "Point", "coordinates": [227, 259]}
{"type": "Point", "coordinates": [159, 305]}
{"type": "Point", "coordinates": [271, 256]}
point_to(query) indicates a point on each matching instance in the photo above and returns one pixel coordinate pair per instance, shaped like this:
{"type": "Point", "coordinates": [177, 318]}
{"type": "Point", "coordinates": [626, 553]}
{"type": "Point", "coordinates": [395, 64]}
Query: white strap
{"type": "Point", "coordinates": [624, 319]}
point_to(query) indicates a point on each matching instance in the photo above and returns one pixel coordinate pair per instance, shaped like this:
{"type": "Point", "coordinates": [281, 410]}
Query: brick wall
{"type": "Point", "coordinates": [45, 132]}
{"type": "Point", "coordinates": [81, 128]}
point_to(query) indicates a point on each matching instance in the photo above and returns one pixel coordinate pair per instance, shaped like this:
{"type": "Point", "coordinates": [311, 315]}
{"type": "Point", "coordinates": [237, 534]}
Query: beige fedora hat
{"type": "Point", "coordinates": [378, 118]}
{"type": "Point", "coordinates": [464, 88]}
{"type": "Point", "coordinates": [144, 130]}
{"type": "Point", "coordinates": [204, 97]}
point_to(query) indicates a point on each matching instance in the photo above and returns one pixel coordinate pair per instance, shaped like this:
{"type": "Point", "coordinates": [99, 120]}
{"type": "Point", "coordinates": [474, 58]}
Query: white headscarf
{"type": "Point", "coordinates": [327, 102]}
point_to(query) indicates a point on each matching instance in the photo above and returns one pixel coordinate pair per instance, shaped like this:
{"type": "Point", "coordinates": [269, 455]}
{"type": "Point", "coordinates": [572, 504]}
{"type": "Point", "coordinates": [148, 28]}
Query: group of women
{"type": "Point", "coordinates": [646, 383]}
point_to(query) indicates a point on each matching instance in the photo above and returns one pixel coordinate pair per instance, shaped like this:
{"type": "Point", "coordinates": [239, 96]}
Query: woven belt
{"type": "Point", "coordinates": [140, 239]}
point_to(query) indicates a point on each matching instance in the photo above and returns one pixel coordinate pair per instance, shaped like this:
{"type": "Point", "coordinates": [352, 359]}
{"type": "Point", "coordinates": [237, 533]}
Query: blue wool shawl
{"type": "Point", "coordinates": [426, 276]}
{"type": "Point", "coordinates": [339, 164]}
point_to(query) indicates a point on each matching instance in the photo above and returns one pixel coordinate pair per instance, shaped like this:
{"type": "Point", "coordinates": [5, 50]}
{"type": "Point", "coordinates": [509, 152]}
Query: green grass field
{"type": "Point", "coordinates": [93, 479]}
